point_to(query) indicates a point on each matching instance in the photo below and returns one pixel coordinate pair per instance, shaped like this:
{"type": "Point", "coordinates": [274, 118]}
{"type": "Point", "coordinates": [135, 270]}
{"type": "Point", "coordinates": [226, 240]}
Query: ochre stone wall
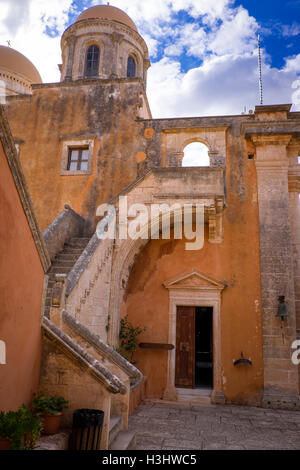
{"type": "Point", "coordinates": [55, 114]}
{"type": "Point", "coordinates": [21, 288]}
{"type": "Point", "coordinates": [62, 375]}
{"type": "Point", "coordinates": [235, 260]}
{"type": "Point", "coordinates": [147, 304]}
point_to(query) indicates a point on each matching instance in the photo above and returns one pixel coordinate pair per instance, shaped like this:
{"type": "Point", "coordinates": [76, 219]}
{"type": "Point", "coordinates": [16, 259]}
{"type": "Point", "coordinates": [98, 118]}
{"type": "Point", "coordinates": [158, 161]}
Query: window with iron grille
{"type": "Point", "coordinates": [78, 159]}
{"type": "Point", "coordinates": [92, 61]}
{"type": "Point", "coordinates": [131, 67]}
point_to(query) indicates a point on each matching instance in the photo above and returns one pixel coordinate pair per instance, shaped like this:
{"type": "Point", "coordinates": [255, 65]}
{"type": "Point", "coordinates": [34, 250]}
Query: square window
{"type": "Point", "coordinates": [77, 156]}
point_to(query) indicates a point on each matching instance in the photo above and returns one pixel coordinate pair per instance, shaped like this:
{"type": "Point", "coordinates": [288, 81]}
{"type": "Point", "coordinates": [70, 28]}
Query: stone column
{"type": "Point", "coordinates": [280, 375]}
{"type": "Point", "coordinates": [116, 41]}
{"type": "Point", "coordinates": [294, 196]}
{"type": "Point", "coordinates": [71, 49]}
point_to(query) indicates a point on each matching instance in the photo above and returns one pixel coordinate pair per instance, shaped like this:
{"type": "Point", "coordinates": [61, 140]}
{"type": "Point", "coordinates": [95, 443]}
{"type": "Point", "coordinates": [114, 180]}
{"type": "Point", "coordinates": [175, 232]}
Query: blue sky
{"type": "Point", "coordinates": [203, 52]}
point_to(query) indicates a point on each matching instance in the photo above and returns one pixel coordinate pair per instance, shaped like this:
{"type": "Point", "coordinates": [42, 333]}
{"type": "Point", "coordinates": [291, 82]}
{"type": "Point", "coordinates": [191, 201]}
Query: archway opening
{"type": "Point", "coordinates": [131, 67]}
{"type": "Point", "coordinates": [92, 61]}
{"type": "Point", "coordinates": [196, 154]}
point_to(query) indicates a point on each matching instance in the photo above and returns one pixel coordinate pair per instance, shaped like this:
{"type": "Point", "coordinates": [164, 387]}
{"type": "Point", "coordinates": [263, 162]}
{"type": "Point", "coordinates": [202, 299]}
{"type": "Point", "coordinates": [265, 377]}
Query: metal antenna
{"type": "Point", "coordinates": [259, 72]}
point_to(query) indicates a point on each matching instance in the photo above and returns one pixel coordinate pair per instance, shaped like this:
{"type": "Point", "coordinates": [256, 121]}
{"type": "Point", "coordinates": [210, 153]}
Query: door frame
{"type": "Point", "coordinates": [195, 296]}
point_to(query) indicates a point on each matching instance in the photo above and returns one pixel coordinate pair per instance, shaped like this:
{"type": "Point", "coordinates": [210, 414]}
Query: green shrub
{"type": "Point", "coordinates": [21, 427]}
{"type": "Point", "coordinates": [128, 338]}
{"type": "Point", "coordinates": [49, 405]}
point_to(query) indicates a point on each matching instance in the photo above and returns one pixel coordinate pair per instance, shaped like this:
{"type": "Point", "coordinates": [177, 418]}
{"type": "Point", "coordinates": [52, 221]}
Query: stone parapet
{"type": "Point", "coordinates": [66, 225]}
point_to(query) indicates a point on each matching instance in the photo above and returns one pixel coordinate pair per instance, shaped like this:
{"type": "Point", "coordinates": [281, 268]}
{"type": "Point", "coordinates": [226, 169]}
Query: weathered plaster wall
{"type": "Point", "coordinates": [235, 260]}
{"type": "Point", "coordinates": [61, 375]}
{"type": "Point", "coordinates": [103, 111]}
{"type": "Point", "coordinates": [21, 287]}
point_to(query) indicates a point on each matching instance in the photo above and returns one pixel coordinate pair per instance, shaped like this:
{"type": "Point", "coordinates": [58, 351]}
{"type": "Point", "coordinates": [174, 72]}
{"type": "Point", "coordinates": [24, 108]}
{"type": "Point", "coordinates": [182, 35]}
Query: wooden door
{"type": "Point", "coordinates": [185, 347]}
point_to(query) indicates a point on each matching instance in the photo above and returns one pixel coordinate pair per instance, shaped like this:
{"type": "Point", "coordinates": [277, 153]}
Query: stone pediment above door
{"type": "Point", "coordinates": [194, 280]}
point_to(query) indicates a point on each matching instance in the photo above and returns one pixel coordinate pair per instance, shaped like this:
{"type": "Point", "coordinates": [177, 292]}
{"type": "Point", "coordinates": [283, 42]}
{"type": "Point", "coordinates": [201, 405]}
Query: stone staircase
{"type": "Point", "coordinates": [62, 264]}
{"type": "Point", "coordinates": [118, 439]}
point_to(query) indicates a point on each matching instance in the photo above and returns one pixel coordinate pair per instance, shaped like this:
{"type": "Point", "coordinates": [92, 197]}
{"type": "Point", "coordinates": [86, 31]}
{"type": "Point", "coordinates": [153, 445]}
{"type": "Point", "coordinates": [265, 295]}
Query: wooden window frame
{"type": "Point", "coordinates": [80, 159]}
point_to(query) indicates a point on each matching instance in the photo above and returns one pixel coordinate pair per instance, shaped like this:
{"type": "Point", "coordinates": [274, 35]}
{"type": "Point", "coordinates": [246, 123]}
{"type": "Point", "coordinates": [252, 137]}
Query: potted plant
{"type": "Point", "coordinates": [128, 338]}
{"type": "Point", "coordinates": [18, 429]}
{"type": "Point", "coordinates": [50, 410]}
{"type": "Point", "coordinates": [7, 426]}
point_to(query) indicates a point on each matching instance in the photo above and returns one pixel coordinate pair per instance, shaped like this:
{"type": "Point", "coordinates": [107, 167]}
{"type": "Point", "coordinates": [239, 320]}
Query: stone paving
{"type": "Point", "coordinates": [214, 427]}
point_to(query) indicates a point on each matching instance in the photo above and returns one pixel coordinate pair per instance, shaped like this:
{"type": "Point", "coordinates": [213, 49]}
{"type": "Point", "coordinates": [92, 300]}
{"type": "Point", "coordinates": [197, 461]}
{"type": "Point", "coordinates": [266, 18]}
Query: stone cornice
{"type": "Point", "coordinates": [206, 128]}
{"type": "Point", "coordinates": [274, 139]}
{"type": "Point", "coordinates": [120, 27]}
{"type": "Point", "coordinates": [251, 129]}
{"type": "Point", "coordinates": [82, 358]}
{"type": "Point", "coordinates": [272, 108]}
{"type": "Point", "coordinates": [19, 78]}
{"type": "Point", "coordinates": [21, 185]}
{"type": "Point", "coordinates": [194, 280]}
{"type": "Point", "coordinates": [89, 82]}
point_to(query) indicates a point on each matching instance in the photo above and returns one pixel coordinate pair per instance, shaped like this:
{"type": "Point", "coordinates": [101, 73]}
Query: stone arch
{"type": "Point", "coordinates": [92, 61]}
{"type": "Point", "coordinates": [195, 153]}
{"type": "Point", "coordinates": [91, 41]}
{"type": "Point", "coordinates": [131, 66]}
{"type": "Point", "coordinates": [192, 140]}
{"type": "Point", "coordinates": [127, 251]}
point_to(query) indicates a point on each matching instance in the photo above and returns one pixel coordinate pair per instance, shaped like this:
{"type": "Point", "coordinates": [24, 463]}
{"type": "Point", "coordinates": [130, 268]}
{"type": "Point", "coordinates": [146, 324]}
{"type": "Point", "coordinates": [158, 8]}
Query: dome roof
{"type": "Point", "coordinates": [109, 13]}
{"type": "Point", "coordinates": [17, 63]}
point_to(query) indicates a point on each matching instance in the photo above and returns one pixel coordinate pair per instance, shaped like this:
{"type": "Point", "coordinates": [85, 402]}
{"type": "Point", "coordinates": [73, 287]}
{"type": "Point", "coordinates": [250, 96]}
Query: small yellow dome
{"type": "Point", "coordinates": [16, 63]}
{"type": "Point", "coordinates": [107, 12]}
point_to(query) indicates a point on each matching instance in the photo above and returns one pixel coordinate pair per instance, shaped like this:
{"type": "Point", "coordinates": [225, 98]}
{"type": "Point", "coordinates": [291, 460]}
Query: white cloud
{"type": "Point", "coordinates": [24, 24]}
{"type": "Point", "coordinates": [291, 30]}
{"type": "Point", "coordinates": [221, 36]}
{"type": "Point", "coordinates": [236, 35]}
{"type": "Point", "coordinates": [221, 85]}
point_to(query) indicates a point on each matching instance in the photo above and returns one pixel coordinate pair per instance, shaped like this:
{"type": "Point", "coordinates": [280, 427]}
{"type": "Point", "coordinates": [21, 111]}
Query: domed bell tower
{"type": "Point", "coordinates": [103, 43]}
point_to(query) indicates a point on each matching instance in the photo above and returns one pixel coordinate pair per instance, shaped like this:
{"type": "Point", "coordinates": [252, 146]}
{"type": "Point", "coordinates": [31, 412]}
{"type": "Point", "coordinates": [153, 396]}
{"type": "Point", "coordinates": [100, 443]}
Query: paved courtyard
{"type": "Point", "coordinates": [165, 427]}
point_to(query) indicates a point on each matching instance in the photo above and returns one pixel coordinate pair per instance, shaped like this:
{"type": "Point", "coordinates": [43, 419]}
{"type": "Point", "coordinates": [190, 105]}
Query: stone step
{"type": "Point", "coordinates": [58, 441]}
{"type": "Point", "coordinates": [124, 441]}
{"type": "Point", "coordinates": [66, 263]}
{"type": "Point", "coordinates": [115, 426]}
{"type": "Point", "coordinates": [77, 244]}
{"type": "Point", "coordinates": [194, 396]}
{"type": "Point", "coordinates": [72, 251]}
{"type": "Point", "coordinates": [60, 270]}
{"type": "Point", "coordinates": [66, 256]}
{"type": "Point", "coordinates": [80, 240]}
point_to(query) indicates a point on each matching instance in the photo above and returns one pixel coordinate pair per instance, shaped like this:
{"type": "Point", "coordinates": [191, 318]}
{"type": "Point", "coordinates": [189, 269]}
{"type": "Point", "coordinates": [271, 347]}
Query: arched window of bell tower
{"type": "Point", "coordinates": [92, 61]}
{"type": "Point", "coordinates": [131, 67]}
{"type": "Point", "coordinates": [196, 154]}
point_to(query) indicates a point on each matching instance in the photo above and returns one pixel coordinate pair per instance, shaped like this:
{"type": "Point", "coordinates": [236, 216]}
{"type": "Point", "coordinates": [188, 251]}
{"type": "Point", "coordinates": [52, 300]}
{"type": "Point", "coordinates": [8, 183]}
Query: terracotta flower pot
{"type": "Point", "coordinates": [5, 443]}
{"type": "Point", "coordinates": [51, 423]}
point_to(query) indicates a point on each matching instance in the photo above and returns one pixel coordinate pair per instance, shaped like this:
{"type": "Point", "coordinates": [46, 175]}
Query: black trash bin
{"type": "Point", "coordinates": [86, 429]}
